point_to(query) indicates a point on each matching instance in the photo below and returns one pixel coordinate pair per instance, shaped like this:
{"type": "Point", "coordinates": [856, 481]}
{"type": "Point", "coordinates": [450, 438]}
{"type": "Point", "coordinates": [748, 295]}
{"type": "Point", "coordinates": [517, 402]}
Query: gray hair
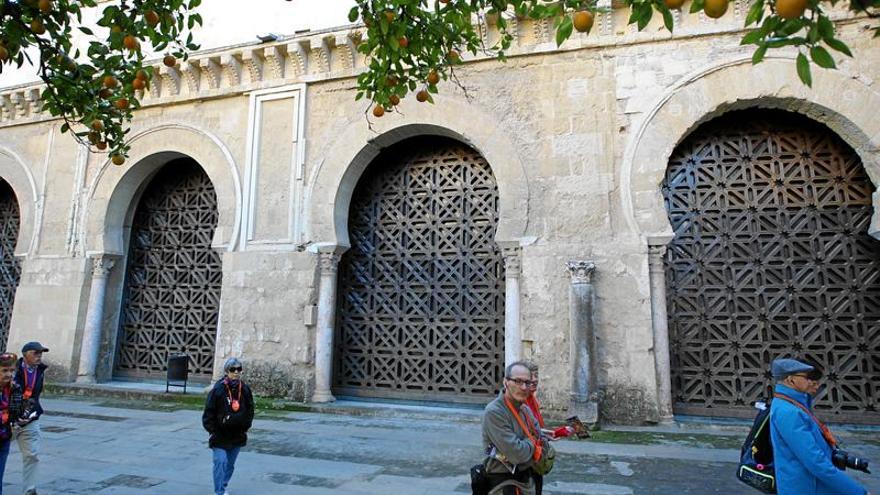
{"type": "Point", "coordinates": [533, 366]}
{"type": "Point", "coordinates": [508, 371]}
{"type": "Point", "coordinates": [233, 361]}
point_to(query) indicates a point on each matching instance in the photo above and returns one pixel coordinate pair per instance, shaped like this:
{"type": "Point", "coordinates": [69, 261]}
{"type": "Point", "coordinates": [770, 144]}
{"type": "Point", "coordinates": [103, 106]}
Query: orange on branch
{"type": "Point", "coordinates": [109, 82]}
{"type": "Point", "coordinates": [130, 42]}
{"type": "Point", "coordinates": [151, 18]}
{"type": "Point", "coordinates": [37, 27]}
{"type": "Point", "coordinates": [422, 96]}
{"type": "Point", "coordinates": [169, 61]}
{"type": "Point", "coordinates": [117, 159]}
{"type": "Point", "coordinates": [378, 111]}
{"type": "Point", "coordinates": [394, 100]}
{"type": "Point", "coordinates": [138, 84]}
{"type": "Point", "coordinates": [433, 77]}
{"type": "Point", "coordinates": [583, 21]}
{"type": "Point", "coordinates": [97, 125]}
{"type": "Point", "coordinates": [715, 8]}
{"type": "Point", "coordinates": [121, 103]}
{"type": "Point", "coordinates": [791, 9]}
{"type": "Point", "coordinates": [673, 4]}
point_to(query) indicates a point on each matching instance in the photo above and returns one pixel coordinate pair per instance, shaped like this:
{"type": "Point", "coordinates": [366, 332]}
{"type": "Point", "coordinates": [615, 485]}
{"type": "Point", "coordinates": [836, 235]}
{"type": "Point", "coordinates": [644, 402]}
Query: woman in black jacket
{"type": "Point", "coordinates": [10, 407]}
{"type": "Point", "coordinates": [229, 412]}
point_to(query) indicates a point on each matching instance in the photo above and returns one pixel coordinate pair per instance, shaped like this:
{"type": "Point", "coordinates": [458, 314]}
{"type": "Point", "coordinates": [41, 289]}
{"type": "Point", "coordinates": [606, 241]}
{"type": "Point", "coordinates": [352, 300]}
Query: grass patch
{"type": "Point", "coordinates": [700, 440]}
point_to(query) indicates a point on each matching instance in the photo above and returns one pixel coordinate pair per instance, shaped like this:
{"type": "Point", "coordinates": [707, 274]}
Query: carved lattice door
{"type": "Point", "coordinates": [771, 258]}
{"type": "Point", "coordinates": [173, 277]}
{"type": "Point", "coordinates": [10, 269]}
{"type": "Point", "coordinates": [422, 288]}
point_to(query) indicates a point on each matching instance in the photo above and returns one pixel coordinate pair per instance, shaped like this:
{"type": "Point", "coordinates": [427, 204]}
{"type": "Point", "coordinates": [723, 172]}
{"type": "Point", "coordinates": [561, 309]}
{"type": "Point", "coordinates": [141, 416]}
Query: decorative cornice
{"type": "Point", "coordinates": [328, 263]}
{"type": "Point", "coordinates": [312, 57]}
{"type": "Point", "coordinates": [581, 271]}
{"type": "Point", "coordinates": [103, 264]}
{"type": "Point", "coordinates": [512, 262]}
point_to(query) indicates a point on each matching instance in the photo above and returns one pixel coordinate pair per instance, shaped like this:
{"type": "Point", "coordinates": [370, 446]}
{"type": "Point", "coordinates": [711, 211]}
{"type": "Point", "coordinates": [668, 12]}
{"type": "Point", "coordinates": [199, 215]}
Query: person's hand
{"type": "Point", "coordinates": [23, 422]}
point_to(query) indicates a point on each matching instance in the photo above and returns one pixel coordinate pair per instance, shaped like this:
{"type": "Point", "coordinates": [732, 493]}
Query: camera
{"type": "Point", "coordinates": [843, 459]}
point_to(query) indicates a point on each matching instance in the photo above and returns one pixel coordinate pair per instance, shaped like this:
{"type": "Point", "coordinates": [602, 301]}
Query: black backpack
{"type": "Point", "coordinates": [756, 457]}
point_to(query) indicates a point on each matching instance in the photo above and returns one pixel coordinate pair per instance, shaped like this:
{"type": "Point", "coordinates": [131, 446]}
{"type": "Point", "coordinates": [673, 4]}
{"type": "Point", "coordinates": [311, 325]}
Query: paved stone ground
{"type": "Point", "coordinates": [92, 448]}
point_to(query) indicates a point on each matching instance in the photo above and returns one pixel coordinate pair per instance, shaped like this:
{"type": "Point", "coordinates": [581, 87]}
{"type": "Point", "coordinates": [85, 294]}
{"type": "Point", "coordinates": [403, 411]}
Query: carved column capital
{"type": "Point", "coordinates": [102, 265]}
{"type": "Point", "coordinates": [328, 263]}
{"type": "Point", "coordinates": [512, 261]}
{"type": "Point", "coordinates": [581, 271]}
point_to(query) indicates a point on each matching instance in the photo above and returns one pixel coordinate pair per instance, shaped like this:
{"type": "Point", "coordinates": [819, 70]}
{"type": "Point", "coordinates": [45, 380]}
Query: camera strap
{"type": "Point", "coordinates": [538, 447]}
{"type": "Point", "coordinates": [826, 433]}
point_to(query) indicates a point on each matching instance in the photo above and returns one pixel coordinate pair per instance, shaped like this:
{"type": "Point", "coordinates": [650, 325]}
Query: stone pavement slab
{"type": "Point", "coordinates": [92, 446]}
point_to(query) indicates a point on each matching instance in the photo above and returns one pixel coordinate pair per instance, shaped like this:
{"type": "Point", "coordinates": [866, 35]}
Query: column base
{"type": "Point", "coordinates": [588, 412]}
{"type": "Point", "coordinates": [86, 379]}
{"type": "Point", "coordinates": [321, 396]}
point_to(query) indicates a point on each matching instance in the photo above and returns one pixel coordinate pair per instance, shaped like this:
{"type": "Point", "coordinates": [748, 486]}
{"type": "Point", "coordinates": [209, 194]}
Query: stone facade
{"type": "Point", "coordinates": [578, 139]}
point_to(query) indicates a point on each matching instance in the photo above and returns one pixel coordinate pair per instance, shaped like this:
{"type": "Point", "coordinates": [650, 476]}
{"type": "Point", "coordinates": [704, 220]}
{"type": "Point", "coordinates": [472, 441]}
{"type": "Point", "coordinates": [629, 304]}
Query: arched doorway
{"type": "Point", "coordinates": [173, 277]}
{"type": "Point", "coordinates": [421, 291]}
{"type": "Point", "coordinates": [770, 258]}
{"type": "Point", "coordinates": [10, 268]}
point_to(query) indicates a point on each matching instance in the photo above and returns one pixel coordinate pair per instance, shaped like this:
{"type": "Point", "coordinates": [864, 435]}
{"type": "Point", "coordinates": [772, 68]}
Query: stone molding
{"type": "Point", "coordinates": [331, 54]}
{"type": "Point", "coordinates": [581, 271]}
{"type": "Point", "coordinates": [512, 261]}
{"type": "Point", "coordinates": [102, 265]}
{"type": "Point", "coordinates": [328, 263]}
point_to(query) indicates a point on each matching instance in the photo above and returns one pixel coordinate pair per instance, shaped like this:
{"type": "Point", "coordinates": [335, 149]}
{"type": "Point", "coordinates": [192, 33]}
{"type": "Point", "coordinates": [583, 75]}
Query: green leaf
{"type": "Point", "coordinates": [758, 56]}
{"type": "Point", "coordinates": [696, 6]}
{"type": "Point", "coordinates": [353, 16]}
{"type": "Point", "coordinates": [667, 18]}
{"type": "Point", "coordinates": [826, 27]}
{"type": "Point", "coordinates": [752, 38]}
{"type": "Point", "coordinates": [563, 32]}
{"type": "Point", "coordinates": [822, 57]}
{"type": "Point", "coordinates": [756, 12]}
{"type": "Point", "coordinates": [839, 46]}
{"type": "Point", "coordinates": [803, 69]}
{"type": "Point", "coordinates": [86, 30]}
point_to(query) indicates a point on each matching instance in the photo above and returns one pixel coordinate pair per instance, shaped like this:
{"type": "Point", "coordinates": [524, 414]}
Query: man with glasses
{"type": "Point", "coordinates": [228, 415]}
{"type": "Point", "coordinates": [801, 444]}
{"type": "Point", "coordinates": [29, 373]}
{"type": "Point", "coordinates": [511, 435]}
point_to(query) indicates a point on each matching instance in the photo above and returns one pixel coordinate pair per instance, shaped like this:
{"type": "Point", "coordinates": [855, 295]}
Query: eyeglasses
{"type": "Point", "coordinates": [523, 383]}
{"type": "Point", "coordinates": [235, 369]}
{"type": "Point", "coordinates": [812, 379]}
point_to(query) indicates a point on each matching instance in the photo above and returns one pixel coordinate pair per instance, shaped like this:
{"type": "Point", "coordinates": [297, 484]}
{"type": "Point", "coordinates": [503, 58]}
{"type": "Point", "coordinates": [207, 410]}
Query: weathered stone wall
{"type": "Point", "coordinates": [578, 140]}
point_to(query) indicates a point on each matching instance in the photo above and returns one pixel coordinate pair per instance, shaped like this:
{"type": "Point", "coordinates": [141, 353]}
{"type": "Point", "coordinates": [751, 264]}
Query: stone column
{"type": "Point", "coordinates": [512, 332]}
{"type": "Point", "coordinates": [102, 265]}
{"type": "Point", "coordinates": [582, 339]}
{"type": "Point", "coordinates": [661, 331]}
{"type": "Point", "coordinates": [328, 267]}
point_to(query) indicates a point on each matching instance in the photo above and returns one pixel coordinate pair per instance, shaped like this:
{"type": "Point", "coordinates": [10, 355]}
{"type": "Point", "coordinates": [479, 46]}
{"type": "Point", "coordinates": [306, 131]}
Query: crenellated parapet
{"type": "Point", "coordinates": [316, 56]}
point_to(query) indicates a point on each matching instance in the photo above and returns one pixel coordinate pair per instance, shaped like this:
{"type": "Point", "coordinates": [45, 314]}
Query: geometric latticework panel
{"type": "Point", "coordinates": [173, 276]}
{"type": "Point", "coordinates": [771, 258]}
{"type": "Point", "coordinates": [10, 269]}
{"type": "Point", "coordinates": [421, 301]}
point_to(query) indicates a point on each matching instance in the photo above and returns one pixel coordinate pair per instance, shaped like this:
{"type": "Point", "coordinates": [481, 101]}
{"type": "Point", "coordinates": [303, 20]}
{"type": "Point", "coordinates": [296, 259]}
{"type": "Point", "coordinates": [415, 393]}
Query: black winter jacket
{"type": "Point", "coordinates": [15, 410]}
{"type": "Point", "coordinates": [228, 429]}
{"type": "Point", "coordinates": [32, 404]}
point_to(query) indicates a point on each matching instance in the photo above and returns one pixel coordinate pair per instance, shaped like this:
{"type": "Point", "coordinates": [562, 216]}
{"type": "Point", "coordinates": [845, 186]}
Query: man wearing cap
{"type": "Point", "coordinates": [29, 373]}
{"type": "Point", "coordinates": [801, 451]}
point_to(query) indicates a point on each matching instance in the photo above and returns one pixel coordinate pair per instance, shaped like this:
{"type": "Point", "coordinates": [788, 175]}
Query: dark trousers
{"type": "Point", "coordinates": [539, 484]}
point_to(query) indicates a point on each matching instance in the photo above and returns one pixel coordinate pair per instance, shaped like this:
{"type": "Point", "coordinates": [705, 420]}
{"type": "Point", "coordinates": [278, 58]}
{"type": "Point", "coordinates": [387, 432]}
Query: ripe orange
{"type": "Point", "coordinates": [138, 84]}
{"type": "Point", "coordinates": [101, 145]}
{"type": "Point", "coordinates": [110, 82]}
{"type": "Point", "coordinates": [422, 96]}
{"type": "Point", "coordinates": [673, 4]}
{"type": "Point", "coordinates": [105, 93]}
{"type": "Point", "coordinates": [45, 6]}
{"type": "Point", "coordinates": [142, 75]}
{"type": "Point", "coordinates": [453, 56]}
{"type": "Point", "coordinates": [115, 29]}
{"type": "Point", "coordinates": [791, 9]}
{"type": "Point", "coordinates": [378, 111]}
{"type": "Point", "coordinates": [4, 54]}
{"type": "Point", "coordinates": [583, 21]}
{"type": "Point", "coordinates": [394, 100]}
{"type": "Point", "coordinates": [37, 27]}
{"type": "Point", "coordinates": [117, 159]}
{"type": "Point", "coordinates": [97, 125]}
{"type": "Point", "coordinates": [715, 8]}
{"type": "Point", "coordinates": [389, 16]}
{"type": "Point", "coordinates": [169, 60]}
{"type": "Point", "coordinates": [151, 17]}
{"type": "Point", "coordinates": [121, 103]}
{"type": "Point", "coordinates": [130, 42]}
{"type": "Point", "coordinates": [94, 137]}
{"type": "Point", "coordinates": [403, 42]}
{"type": "Point", "coordinates": [391, 81]}
{"type": "Point", "coordinates": [433, 77]}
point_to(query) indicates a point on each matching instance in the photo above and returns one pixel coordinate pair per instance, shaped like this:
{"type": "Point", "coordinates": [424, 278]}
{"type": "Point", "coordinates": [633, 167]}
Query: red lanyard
{"type": "Point", "coordinates": [28, 383]}
{"type": "Point", "coordinates": [234, 403]}
{"type": "Point", "coordinates": [825, 431]}
{"type": "Point", "coordinates": [538, 447]}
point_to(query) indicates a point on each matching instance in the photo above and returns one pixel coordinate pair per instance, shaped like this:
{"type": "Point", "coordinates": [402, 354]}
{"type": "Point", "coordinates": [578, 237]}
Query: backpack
{"type": "Point", "coordinates": [756, 457]}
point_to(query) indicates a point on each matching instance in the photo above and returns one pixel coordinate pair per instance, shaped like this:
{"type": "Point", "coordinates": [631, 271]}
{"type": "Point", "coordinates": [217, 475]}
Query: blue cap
{"type": "Point", "coordinates": [33, 346]}
{"type": "Point", "coordinates": [783, 367]}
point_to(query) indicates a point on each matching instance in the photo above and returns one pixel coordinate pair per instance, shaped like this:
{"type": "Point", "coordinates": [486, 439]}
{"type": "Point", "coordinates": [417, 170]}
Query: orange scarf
{"type": "Point", "coordinates": [536, 442]}
{"type": "Point", "coordinates": [535, 407]}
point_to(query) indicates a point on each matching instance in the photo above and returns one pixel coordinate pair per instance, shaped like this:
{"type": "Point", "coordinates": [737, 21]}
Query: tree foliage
{"type": "Point", "coordinates": [411, 45]}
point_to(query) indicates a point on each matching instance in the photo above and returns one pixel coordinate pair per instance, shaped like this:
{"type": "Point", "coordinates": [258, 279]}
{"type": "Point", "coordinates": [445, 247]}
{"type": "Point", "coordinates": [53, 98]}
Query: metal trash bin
{"type": "Point", "coordinates": [178, 371]}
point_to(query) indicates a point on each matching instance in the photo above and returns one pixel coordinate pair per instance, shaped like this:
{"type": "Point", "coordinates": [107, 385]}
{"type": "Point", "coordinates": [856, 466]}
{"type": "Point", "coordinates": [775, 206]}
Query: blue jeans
{"type": "Point", "coordinates": [4, 453]}
{"type": "Point", "coordinates": [224, 465]}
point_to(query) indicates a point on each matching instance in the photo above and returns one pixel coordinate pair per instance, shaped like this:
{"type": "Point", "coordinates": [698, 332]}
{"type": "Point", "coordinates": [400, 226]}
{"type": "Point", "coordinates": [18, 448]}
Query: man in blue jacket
{"type": "Point", "coordinates": [802, 455]}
